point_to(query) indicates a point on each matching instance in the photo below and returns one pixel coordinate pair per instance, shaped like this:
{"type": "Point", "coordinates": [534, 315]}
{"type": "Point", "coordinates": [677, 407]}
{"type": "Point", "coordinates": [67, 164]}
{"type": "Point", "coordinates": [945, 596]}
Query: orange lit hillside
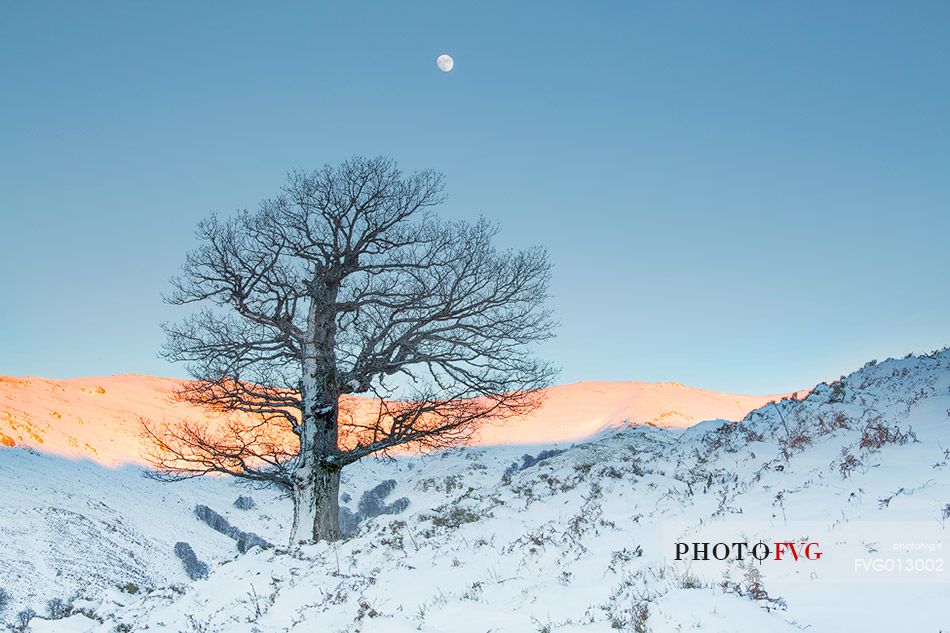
{"type": "Point", "coordinates": [98, 418]}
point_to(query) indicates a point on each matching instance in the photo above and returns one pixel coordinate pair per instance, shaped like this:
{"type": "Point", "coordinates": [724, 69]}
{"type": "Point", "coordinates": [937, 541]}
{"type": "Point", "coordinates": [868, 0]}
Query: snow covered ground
{"type": "Point", "coordinates": [582, 541]}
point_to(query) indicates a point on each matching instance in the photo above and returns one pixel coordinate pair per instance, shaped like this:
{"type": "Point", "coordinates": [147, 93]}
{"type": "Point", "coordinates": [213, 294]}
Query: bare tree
{"type": "Point", "coordinates": [346, 284]}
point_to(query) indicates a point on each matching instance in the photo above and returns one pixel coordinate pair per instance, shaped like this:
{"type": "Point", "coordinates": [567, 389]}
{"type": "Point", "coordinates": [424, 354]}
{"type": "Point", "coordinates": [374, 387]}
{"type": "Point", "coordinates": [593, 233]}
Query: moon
{"type": "Point", "coordinates": [445, 62]}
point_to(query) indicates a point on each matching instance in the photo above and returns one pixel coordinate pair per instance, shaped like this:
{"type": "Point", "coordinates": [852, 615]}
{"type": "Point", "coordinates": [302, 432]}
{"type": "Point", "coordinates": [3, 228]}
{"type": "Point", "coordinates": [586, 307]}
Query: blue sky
{"type": "Point", "coordinates": [740, 196]}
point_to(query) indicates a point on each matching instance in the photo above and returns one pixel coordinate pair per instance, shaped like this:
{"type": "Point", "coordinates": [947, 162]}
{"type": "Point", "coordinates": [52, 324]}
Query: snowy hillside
{"type": "Point", "coordinates": [582, 540]}
{"type": "Point", "coordinates": [71, 525]}
{"type": "Point", "coordinates": [98, 418]}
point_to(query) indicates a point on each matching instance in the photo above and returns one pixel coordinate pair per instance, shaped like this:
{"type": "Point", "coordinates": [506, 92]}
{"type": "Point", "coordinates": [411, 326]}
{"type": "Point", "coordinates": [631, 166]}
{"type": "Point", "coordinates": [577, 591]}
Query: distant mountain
{"type": "Point", "coordinates": [98, 418]}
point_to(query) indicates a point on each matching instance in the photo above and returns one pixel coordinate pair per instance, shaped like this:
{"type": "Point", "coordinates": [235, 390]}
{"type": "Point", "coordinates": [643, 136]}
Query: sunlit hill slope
{"type": "Point", "coordinates": [98, 418]}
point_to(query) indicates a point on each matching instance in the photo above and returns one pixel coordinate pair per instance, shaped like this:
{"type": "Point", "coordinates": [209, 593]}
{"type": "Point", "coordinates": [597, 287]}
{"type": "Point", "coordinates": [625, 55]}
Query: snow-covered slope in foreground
{"type": "Point", "coordinates": [69, 526]}
{"type": "Point", "coordinates": [98, 418]}
{"type": "Point", "coordinates": [584, 541]}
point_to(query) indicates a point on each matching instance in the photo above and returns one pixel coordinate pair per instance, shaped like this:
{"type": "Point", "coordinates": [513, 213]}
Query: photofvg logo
{"type": "Point", "coordinates": [808, 551]}
{"type": "Point", "coordinates": [742, 550]}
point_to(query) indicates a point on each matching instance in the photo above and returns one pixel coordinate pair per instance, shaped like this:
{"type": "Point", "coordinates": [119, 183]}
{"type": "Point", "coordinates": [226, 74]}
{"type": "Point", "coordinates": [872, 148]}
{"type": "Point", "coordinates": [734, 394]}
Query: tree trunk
{"type": "Point", "coordinates": [316, 498]}
{"type": "Point", "coordinates": [316, 480]}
